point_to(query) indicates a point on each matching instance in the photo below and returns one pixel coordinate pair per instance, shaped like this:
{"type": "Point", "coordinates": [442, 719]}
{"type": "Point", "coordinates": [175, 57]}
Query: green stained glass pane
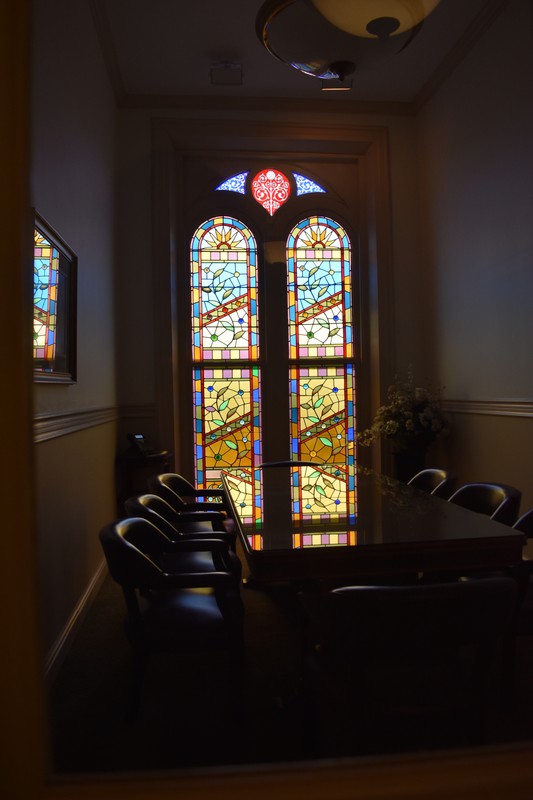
{"type": "Point", "coordinates": [323, 413]}
{"type": "Point", "coordinates": [320, 494]}
{"type": "Point", "coordinates": [227, 421]}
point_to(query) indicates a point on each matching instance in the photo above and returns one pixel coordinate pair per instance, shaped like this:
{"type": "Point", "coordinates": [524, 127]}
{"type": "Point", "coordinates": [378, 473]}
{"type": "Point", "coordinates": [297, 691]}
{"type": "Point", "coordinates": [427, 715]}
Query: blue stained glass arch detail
{"type": "Point", "coordinates": [237, 183]}
{"type": "Point", "coordinates": [306, 185]}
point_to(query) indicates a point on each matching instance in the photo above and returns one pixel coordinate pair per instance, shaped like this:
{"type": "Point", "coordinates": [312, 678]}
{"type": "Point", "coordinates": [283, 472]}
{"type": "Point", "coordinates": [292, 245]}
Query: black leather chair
{"type": "Point", "coordinates": [498, 500]}
{"type": "Point", "coordinates": [179, 526]}
{"type": "Point", "coordinates": [440, 482]}
{"type": "Point", "coordinates": [173, 605]}
{"type": "Point", "coordinates": [403, 667]}
{"type": "Point", "coordinates": [184, 496]}
{"type": "Point", "coordinates": [525, 523]}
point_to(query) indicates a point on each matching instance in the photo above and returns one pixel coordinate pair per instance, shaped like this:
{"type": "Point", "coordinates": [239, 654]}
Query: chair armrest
{"type": "Point", "coordinates": [218, 521]}
{"type": "Point", "coordinates": [198, 580]}
{"type": "Point", "coordinates": [195, 515]}
{"type": "Point", "coordinates": [201, 506]}
{"type": "Point", "coordinates": [229, 537]}
{"type": "Point", "coordinates": [195, 543]}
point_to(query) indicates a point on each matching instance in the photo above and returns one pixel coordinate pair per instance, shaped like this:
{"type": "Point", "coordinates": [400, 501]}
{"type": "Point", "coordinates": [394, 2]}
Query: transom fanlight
{"type": "Point", "coordinates": [270, 187]}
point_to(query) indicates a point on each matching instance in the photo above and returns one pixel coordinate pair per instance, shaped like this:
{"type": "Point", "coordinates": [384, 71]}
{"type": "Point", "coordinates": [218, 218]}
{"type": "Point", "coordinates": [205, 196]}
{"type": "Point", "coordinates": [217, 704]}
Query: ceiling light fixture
{"type": "Point", "coordinates": [330, 39]}
{"type": "Point", "coordinates": [375, 19]}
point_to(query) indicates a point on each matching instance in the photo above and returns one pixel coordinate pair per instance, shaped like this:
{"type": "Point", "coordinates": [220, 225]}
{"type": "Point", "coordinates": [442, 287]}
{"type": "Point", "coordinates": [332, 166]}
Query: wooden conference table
{"type": "Point", "coordinates": [330, 523]}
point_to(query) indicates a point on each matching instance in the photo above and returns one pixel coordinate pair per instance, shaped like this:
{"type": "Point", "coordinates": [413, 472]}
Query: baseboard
{"type": "Point", "coordinates": [59, 650]}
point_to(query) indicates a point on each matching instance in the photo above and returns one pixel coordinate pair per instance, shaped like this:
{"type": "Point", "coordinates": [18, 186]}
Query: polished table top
{"type": "Point", "coordinates": [327, 521]}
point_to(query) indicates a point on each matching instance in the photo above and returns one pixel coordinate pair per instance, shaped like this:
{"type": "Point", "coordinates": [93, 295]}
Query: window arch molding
{"type": "Point", "coordinates": [184, 153]}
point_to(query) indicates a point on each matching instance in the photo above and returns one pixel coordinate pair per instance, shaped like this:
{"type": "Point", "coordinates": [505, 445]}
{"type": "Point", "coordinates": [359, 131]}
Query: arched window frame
{"type": "Point", "coordinates": [340, 373]}
{"type": "Point", "coordinates": [186, 151]}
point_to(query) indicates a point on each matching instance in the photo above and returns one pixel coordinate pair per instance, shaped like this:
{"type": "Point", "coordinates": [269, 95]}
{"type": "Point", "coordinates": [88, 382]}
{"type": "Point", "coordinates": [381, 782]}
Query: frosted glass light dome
{"type": "Point", "coordinates": [375, 18]}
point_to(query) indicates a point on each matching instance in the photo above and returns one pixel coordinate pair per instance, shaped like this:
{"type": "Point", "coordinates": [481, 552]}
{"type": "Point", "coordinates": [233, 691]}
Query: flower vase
{"type": "Point", "coordinates": [408, 462]}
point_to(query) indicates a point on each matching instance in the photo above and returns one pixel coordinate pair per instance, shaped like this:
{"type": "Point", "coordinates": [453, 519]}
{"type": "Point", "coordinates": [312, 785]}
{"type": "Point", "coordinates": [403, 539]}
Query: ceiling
{"type": "Point", "coordinates": [160, 53]}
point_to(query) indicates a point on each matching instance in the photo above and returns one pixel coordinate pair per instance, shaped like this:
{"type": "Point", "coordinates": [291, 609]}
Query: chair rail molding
{"type": "Point", "coordinates": [51, 426]}
{"type": "Point", "coordinates": [497, 408]}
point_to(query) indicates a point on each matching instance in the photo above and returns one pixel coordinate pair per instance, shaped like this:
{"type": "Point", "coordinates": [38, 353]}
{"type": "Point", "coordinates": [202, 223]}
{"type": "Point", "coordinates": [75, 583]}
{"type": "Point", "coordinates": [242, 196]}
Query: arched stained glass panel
{"type": "Point", "coordinates": [321, 383]}
{"type": "Point", "coordinates": [225, 349]}
{"type": "Point", "coordinates": [319, 285]}
{"type": "Point", "coordinates": [224, 291]}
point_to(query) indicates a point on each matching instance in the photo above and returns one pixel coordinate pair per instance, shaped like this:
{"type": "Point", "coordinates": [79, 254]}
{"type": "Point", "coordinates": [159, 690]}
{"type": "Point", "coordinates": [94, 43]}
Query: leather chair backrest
{"type": "Point", "coordinates": [166, 486]}
{"type": "Point", "coordinates": [131, 547]}
{"type": "Point", "coordinates": [424, 615]}
{"type": "Point", "coordinates": [440, 482]}
{"type": "Point", "coordinates": [525, 523]}
{"type": "Point", "coordinates": [156, 510]}
{"type": "Point", "coordinates": [498, 500]}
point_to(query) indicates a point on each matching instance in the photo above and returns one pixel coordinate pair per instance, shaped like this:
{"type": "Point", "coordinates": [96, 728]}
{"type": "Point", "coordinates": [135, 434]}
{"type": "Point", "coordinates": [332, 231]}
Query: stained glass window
{"type": "Point", "coordinates": [320, 510]}
{"type": "Point", "coordinates": [321, 390]}
{"type": "Point", "coordinates": [45, 286]}
{"type": "Point", "coordinates": [319, 385]}
{"type": "Point", "coordinates": [306, 185]}
{"type": "Point", "coordinates": [226, 397]}
{"type": "Point", "coordinates": [319, 283]}
{"type": "Point", "coordinates": [237, 183]}
{"type": "Point", "coordinates": [322, 496]}
{"type": "Point", "coordinates": [227, 421]}
{"type": "Point", "coordinates": [322, 413]}
{"type": "Point", "coordinates": [54, 306]}
{"type": "Point", "coordinates": [224, 291]}
{"type": "Point", "coordinates": [246, 490]}
{"type": "Point", "coordinates": [271, 189]}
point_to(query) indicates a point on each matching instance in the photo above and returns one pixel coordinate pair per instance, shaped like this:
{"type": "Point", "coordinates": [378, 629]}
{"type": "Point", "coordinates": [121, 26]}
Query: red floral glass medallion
{"type": "Point", "coordinates": [271, 189]}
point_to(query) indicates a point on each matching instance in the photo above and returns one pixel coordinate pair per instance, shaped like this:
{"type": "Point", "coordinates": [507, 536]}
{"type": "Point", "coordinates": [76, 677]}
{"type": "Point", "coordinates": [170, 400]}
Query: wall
{"type": "Point", "coordinates": [476, 208]}
{"type": "Point", "coordinates": [72, 187]}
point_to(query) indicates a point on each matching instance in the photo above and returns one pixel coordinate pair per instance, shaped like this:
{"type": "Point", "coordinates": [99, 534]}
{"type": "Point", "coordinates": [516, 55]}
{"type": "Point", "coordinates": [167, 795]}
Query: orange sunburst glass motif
{"type": "Point", "coordinates": [271, 189]}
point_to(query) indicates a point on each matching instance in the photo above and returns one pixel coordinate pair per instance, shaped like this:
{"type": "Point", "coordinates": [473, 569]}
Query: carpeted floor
{"type": "Point", "coordinates": [186, 718]}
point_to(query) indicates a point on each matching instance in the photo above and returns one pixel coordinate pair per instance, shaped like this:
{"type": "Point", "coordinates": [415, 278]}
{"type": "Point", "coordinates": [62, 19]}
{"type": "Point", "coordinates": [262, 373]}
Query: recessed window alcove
{"type": "Point", "coordinates": [194, 159]}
